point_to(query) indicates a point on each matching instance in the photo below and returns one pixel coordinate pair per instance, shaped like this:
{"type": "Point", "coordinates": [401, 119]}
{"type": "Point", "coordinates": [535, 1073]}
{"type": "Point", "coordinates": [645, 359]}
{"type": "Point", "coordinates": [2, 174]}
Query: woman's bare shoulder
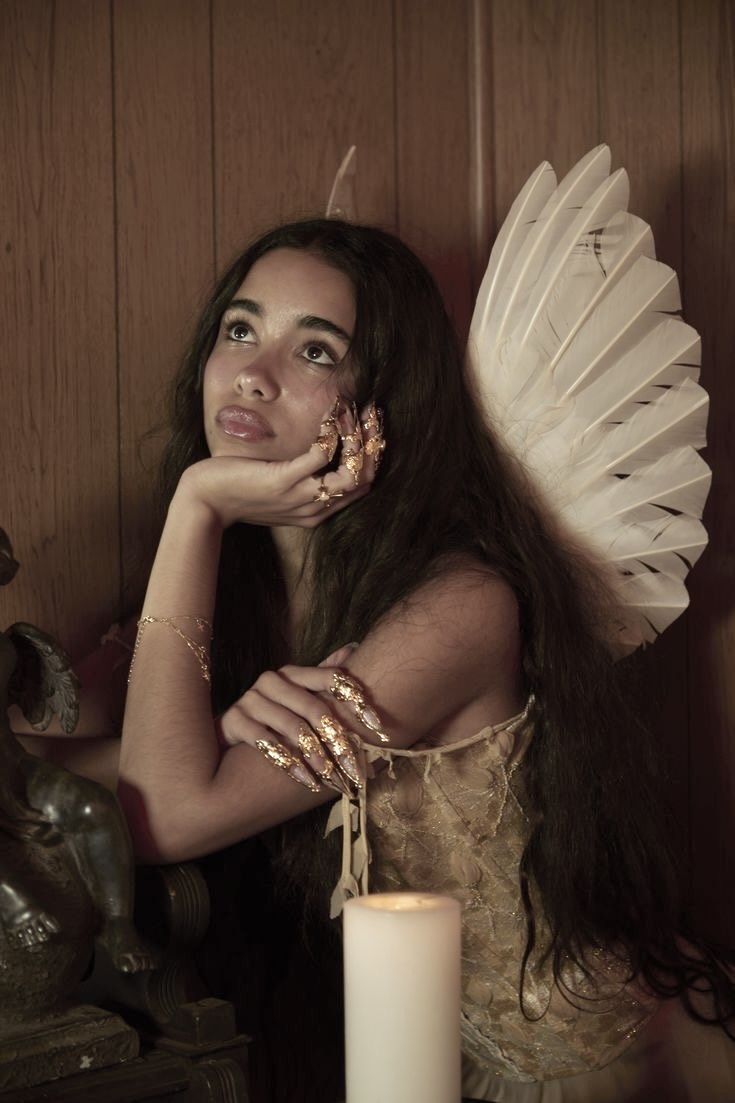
{"type": "Point", "coordinates": [465, 603]}
{"type": "Point", "coordinates": [453, 644]}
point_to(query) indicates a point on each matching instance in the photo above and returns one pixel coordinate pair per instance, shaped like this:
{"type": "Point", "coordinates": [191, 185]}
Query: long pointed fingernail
{"type": "Point", "coordinates": [337, 740]}
{"type": "Point", "coordinates": [345, 688]}
{"type": "Point", "coordinates": [281, 757]}
{"type": "Point", "coordinates": [348, 765]}
{"type": "Point", "coordinates": [311, 749]}
{"type": "Point", "coordinates": [331, 776]}
{"type": "Point", "coordinates": [301, 774]}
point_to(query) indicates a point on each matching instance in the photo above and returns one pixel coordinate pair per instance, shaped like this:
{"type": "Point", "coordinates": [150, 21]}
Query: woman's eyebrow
{"type": "Point", "coordinates": [311, 321]}
{"type": "Point", "coordinates": [247, 304]}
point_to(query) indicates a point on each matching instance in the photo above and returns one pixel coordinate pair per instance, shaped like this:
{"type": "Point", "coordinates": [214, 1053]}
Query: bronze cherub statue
{"type": "Point", "coordinates": [61, 835]}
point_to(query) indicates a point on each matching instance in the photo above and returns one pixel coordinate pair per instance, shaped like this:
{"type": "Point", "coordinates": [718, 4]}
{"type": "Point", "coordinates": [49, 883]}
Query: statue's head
{"type": "Point", "coordinates": [8, 565]}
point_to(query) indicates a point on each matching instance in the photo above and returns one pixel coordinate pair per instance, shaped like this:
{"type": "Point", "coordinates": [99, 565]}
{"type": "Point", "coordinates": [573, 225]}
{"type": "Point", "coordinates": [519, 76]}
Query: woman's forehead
{"type": "Point", "coordinates": [302, 283]}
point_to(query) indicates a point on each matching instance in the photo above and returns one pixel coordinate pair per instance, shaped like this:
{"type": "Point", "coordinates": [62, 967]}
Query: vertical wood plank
{"type": "Point", "coordinates": [58, 443]}
{"type": "Point", "coordinates": [544, 88]}
{"type": "Point", "coordinates": [482, 135]}
{"type": "Point", "coordinates": [296, 83]}
{"type": "Point", "coordinates": [165, 236]}
{"type": "Point", "coordinates": [708, 48]}
{"type": "Point", "coordinates": [433, 144]}
{"type": "Point", "coordinates": [640, 119]}
{"type": "Point", "coordinates": [640, 115]}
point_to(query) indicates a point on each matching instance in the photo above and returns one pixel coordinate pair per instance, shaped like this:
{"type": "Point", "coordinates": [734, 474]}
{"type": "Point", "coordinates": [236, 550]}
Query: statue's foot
{"type": "Point", "coordinates": [127, 951]}
{"type": "Point", "coordinates": [31, 927]}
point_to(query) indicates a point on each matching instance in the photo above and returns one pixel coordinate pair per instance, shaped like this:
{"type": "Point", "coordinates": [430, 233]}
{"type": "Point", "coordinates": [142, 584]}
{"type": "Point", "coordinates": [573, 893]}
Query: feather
{"type": "Point", "coordinates": [606, 201]}
{"type": "Point", "coordinates": [631, 309]}
{"type": "Point", "coordinates": [669, 545]}
{"type": "Point", "coordinates": [560, 210]}
{"type": "Point", "coordinates": [666, 355]}
{"type": "Point", "coordinates": [522, 215]}
{"type": "Point", "coordinates": [342, 198]}
{"type": "Point", "coordinates": [675, 419]}
{"type": "Point", "coordinates": [679, 481]}
{"type": "Point", "coordinates": [656, 600]}
{"type": "Point", "coordinates": [609, 253]}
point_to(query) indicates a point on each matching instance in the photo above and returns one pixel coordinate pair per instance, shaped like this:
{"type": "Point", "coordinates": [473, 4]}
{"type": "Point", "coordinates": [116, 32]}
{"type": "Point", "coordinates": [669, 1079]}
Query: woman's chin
{"type": "Point", "coordinates": [269, 450]}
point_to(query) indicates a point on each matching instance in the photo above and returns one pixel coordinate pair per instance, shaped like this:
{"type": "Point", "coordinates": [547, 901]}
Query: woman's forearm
{"type": "Point", "coordinates": [169, 753]}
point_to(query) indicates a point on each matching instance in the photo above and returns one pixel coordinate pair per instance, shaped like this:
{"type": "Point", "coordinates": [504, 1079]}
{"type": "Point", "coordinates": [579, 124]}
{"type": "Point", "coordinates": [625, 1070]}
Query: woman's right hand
{"type": "Point", "coordinates": [285, 717]}
{"type": "Point", "coordinates": [288, 492]}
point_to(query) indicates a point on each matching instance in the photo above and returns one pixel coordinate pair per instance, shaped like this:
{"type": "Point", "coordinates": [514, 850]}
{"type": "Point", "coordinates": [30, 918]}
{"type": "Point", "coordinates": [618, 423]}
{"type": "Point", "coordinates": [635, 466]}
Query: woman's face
{"type": "Point", "coordinates": [271, 375]}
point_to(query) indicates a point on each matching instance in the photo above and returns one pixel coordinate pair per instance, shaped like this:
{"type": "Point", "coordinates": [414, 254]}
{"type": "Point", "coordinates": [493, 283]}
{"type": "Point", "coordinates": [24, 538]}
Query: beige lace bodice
{"type": "Point", "coordinates": [451, 820]}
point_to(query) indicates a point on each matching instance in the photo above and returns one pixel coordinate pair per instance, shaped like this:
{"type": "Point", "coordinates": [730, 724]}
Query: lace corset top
{"type": "Point", "coordinates": [451, 820]}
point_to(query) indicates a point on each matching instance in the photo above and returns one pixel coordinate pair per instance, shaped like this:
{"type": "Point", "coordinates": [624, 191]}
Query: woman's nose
{"type": "Point", "coordinates": [259, 378]}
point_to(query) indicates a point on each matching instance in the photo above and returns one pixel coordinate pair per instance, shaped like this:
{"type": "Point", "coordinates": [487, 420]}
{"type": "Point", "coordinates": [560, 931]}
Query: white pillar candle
{"type": "Point", "coordinates": [402, 998]}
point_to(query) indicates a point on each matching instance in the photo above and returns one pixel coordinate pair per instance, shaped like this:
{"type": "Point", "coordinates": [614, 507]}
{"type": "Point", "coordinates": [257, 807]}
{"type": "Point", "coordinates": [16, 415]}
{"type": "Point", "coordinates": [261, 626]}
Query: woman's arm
{"type": "Point", "coordinates": [445, 663]}
{"type": "Point", "coordinates": [178, 799]}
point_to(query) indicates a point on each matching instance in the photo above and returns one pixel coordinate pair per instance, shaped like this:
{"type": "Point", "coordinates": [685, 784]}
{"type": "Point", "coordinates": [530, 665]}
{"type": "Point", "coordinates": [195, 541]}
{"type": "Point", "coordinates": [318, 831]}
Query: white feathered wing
{"type": "Point", "coordinates": [589, 377]}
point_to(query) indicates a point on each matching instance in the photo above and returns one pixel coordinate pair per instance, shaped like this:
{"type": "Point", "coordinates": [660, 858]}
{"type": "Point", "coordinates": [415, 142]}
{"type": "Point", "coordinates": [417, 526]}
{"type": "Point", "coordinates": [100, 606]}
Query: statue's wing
{"type": "Point", "coordinates": [43, 684]}
{"type": "Point", "coordinates": [342, 199]}
{"type": "Point", "coordinates": [8, 565]}
{"type": "Point", "coordinates": [589, 376]}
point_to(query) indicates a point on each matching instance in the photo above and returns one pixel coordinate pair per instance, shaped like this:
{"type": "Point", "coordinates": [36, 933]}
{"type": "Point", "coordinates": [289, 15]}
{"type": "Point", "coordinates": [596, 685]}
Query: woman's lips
{"type": "Point", "coordinates": [244, 424]}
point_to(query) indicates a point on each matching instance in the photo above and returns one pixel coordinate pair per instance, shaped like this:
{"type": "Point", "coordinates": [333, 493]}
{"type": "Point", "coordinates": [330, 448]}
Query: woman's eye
{"type": "Point", "coordinates": [239, 331]}
{"type": "Point", "coordinates": [319, 354]}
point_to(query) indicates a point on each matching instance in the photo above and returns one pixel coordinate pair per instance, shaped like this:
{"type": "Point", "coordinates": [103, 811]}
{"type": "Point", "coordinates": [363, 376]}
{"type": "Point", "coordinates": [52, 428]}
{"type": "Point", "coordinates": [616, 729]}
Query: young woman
{"type": "Point", "coordinates": [308, 602]}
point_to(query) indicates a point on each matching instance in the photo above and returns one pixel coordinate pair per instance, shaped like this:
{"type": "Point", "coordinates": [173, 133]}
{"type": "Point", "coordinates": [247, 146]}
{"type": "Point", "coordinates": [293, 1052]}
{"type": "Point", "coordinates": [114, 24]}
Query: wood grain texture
{"type": "Point", "coordinates": [194, 143]}
{"type": "Point", "coordinates": [295, 84]}
{"type": "Point", "coordinates": [58, 443]}
{"type": "Point", "coordinates": [708, 97]}
{"type": "Point", "coordinates": [639, 66]}
{"type": "Point", "coordinates": [544, 88]}
{"type": "Point", "coordinates": [433, 144]}
{"type": "Point", "coordinates": [165, 235]}
{"type": "Point", "coordinates": [640, 116]}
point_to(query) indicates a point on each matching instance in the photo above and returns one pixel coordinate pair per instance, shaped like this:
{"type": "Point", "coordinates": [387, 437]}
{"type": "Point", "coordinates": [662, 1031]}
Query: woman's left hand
{"type": "Point", "coordinates": [283, 716]}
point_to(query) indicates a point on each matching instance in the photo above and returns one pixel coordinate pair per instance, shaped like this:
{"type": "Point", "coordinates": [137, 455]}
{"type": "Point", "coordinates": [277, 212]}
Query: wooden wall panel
{"type": "Point", "coordinates": [544, 89]}
{"type": "Point", "coordinates": [708, 96]}
{"type": "Point", "coordinates": [58, 444]}
{"type": "Point", "coordinates": [295, 84]}
{"type": "Point", "coordinates": [433, 144]}
{"type": "Point", "coordinates": [639, 64]}
{"type": "Point", "coordinates": [165, 232]}
{"type": "Point", "coordinates": [196, 123]}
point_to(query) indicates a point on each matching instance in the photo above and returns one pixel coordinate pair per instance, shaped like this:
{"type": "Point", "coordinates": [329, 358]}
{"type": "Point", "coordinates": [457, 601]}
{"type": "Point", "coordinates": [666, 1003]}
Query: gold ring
{"type": "Point", "coordinates": [277, 754]}
{"type": "Point", "coordinates": [324, 495]}
{"type": "Point", "coordinates": [308, 742]}
{"type": "Point", "coordinates": [375, 446]}
{"type": "Point", "coordinates": [373, 420]}
{"type": "Point", "coordinates": [353, 461]}
{"type": "Point", "coordinates": [328, 438]}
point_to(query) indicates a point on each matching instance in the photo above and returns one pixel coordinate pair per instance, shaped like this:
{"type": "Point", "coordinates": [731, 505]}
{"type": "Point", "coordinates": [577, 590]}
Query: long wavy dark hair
{"type": "Point", "coordinates": [598, 862]}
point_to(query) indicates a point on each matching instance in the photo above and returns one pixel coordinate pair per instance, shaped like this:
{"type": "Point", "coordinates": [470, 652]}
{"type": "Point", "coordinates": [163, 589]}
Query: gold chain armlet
{"type": "Point", "coordinates": [199, 650]}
